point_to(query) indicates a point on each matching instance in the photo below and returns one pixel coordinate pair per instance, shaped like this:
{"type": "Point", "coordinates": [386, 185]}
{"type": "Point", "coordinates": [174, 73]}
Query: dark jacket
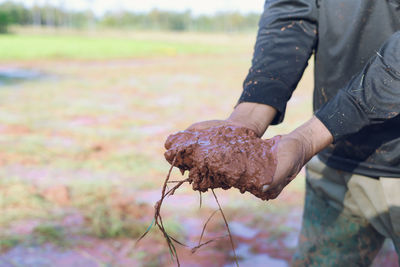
{"type": "Point", "coordinates": [357, 75]}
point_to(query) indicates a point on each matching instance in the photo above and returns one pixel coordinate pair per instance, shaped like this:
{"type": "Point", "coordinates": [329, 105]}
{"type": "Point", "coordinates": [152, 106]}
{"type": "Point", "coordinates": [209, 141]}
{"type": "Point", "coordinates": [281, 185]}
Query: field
{"type": "Point", "coordinates": [83, 119]}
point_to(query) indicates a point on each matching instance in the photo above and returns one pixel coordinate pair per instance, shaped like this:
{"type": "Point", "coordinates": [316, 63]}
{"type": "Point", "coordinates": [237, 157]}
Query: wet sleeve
{"type": "Point", "coordinates": [371, 97]}
{"type": "Point", "coordinates": [285, 41]}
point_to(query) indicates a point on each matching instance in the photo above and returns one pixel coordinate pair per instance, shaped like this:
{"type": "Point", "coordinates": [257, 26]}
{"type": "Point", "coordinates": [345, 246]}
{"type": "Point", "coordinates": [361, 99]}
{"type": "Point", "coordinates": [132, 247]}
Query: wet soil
{"type": "Point", "coordinates": [224, 157]}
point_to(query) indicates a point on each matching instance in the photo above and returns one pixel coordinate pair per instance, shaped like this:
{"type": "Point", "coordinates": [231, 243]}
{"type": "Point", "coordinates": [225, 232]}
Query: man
{"type": "Point", "coordinates": [353, 185]}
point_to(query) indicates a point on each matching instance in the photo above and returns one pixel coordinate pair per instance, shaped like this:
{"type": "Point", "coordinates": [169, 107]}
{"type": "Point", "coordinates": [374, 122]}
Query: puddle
{"type": "Point", "coordinates": [44, 256]}
{"type": "Point", "coordinates": [256, 260]}
{"type": "Point", "coordinates": [48, 255]}
{"type": "Point", "coordinates": [15, 75]}
{"type": "Point", "coordinates": [239, 229]}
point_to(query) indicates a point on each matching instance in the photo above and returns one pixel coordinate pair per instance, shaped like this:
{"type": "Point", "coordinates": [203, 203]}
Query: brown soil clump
{"type": "Point", "coordinates": [224, 157]}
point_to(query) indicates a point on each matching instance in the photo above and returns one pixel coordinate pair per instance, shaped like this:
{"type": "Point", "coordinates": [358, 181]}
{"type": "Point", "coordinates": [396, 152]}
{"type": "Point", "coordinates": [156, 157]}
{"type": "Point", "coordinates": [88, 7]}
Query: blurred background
{"type": "Point", "coordinates": [89, 91]}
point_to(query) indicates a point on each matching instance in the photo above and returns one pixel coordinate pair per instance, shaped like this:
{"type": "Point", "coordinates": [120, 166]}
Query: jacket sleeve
{"type": "Point", "coordinates": [371, 97]}
{"type": "Point", "coordinates": [286, 38]}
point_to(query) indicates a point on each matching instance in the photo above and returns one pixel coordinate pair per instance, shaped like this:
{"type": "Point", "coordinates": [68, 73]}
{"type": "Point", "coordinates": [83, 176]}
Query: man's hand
{"type": "Point", "coordinates": [291, 152]}
{"type": "Point", "coordinates": [294, 150]}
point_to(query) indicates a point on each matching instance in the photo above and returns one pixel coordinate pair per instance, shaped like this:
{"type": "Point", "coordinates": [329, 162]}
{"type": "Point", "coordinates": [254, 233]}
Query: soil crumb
{"type": "Point", "coordinates": [224, 157]}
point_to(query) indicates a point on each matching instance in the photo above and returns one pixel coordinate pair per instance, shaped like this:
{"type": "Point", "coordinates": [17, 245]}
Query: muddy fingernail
{"type": "Point", "coordinates": [265, 187]}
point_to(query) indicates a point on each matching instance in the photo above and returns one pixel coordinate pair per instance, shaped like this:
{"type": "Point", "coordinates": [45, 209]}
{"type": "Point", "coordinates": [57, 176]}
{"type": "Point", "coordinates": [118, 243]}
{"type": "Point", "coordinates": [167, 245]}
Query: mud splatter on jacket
{"type": "Point", "coordinates": [357, 75]}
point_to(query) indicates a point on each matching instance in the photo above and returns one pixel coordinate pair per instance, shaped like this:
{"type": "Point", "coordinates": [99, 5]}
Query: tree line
{"type": "Point", "coordinates": [57, 16]}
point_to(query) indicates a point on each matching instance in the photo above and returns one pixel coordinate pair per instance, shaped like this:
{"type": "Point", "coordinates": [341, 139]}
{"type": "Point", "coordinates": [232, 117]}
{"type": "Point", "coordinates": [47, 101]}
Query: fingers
{"type": "Point", "coordinates": [206, 124]}
{"type": "Point", "coordinates": [197, 126]}
{"type": "Point", "coordinates": [265, 188]}
{"type": "Point", "coordinates": [272, 191]}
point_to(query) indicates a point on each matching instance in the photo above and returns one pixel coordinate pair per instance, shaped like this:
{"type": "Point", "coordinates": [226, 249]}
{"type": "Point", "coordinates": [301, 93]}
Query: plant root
{"type": "Point", "coordinates": [157, 220]}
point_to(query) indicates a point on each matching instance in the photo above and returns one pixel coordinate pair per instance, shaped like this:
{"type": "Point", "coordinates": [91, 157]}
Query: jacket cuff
{"type": "Point", "coordinates": [342, 121]}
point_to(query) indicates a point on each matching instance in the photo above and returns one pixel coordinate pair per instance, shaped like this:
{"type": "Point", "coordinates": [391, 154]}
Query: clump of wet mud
{"type": "Point", "coordinates": [224, 157]}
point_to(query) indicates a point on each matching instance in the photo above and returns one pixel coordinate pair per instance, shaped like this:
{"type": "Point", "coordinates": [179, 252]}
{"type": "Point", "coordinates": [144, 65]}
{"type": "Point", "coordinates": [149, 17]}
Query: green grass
{"type": "Point", "coordinates": [31, 47]}
{"type": "Point", "coordinates": [8, 242]}
{"type": "Point", "coordinates": [41, 234]}
{"type": "Point", "coordinates": [48, 233]}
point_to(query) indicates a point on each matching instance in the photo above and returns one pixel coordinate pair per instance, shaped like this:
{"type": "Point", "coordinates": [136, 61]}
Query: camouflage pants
{"type": "Point", "coordinates": [346, 217]}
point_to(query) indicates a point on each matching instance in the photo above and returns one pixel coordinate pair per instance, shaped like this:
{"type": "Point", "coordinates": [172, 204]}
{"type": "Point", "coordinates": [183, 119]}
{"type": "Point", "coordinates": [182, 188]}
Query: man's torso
{"type": "Point", "coordinates": [350, 32]}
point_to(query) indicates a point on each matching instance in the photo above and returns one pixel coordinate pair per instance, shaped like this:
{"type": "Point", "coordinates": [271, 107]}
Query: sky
{"type": "Point", "coordinates": [196, 6]}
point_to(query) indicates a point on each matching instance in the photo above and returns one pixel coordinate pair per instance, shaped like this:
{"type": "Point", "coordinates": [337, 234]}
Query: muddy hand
{"type": "Point", "coordinates": [294, 150]}
{"type": "Point", "coordinates": [291, 156]}
{"type": "Point", "coordinates": [203, 125]}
